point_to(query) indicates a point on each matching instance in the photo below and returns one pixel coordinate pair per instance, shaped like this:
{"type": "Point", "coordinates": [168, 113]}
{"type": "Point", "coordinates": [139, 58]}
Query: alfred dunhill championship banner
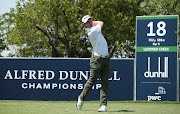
{"type": "Point", "coordinates": [60, 79]}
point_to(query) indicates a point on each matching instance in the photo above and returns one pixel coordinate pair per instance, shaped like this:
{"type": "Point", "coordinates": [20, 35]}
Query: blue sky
{"type": "Point", "coordinates": [5, 5]}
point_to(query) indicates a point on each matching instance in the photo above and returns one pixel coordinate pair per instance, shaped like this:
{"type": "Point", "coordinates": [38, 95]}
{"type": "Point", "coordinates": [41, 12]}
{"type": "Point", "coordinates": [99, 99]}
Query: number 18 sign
{"type": "Point", "coordinates": [156, 72]}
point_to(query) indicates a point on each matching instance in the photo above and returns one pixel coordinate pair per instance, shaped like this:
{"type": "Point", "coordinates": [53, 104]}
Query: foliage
{"type": "Point", "coordinates": [2, 43]}
{"type": "Point", "coordinates": [52, 27]}
{"type": "Point", "coordinates": [45, 28]}
{"type": "Point", "coordinates": [163, 7]}
{"type": "Point", "coordinates": [2, 46]}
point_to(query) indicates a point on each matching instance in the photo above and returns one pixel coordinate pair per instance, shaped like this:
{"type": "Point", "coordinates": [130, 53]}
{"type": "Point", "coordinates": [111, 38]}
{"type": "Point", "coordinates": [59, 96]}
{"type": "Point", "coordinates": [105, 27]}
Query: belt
{"type": "Point", "coordinates": [101, 56]}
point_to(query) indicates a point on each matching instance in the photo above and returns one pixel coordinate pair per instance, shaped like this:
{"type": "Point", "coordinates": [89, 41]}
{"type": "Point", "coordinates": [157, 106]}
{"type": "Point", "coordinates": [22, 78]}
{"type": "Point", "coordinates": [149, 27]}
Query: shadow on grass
{"type": "Point", "coordinates": [122, 111]}
{"type": "Point", "coordinates": [115, 111]}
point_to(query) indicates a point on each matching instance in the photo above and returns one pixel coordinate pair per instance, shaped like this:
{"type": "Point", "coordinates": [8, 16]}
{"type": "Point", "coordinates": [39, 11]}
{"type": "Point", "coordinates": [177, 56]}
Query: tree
{"type": "Point", "coordinates": [3, 45]}
{"type": "Point", "coordinates": [162, 7]}
{"type": "Point", "coordinates": [42, 28]}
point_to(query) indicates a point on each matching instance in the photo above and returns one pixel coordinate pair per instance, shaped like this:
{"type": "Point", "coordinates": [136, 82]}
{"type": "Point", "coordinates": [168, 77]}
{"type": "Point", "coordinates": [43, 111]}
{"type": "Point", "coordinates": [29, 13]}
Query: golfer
{"type": "Point", "coordinates": [100, 63]}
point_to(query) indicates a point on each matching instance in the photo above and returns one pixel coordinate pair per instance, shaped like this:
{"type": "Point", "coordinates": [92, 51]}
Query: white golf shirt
{"type": "Point", "coordinates": [97, 40]}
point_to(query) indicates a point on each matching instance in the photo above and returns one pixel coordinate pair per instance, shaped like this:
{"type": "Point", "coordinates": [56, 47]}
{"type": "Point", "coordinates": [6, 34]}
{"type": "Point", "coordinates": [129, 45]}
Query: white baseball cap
{"type": "Point", "coordinates": [85, 18]}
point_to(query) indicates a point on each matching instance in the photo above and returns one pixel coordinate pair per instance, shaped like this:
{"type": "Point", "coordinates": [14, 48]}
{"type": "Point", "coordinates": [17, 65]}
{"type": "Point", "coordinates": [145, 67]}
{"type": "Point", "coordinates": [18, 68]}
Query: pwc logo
{"type": "Point", "coordinates": [158, 73]}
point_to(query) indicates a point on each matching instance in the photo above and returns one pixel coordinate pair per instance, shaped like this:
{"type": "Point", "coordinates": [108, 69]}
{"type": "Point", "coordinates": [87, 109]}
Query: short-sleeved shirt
{"type": "Point", "coordinates": [97, 40]}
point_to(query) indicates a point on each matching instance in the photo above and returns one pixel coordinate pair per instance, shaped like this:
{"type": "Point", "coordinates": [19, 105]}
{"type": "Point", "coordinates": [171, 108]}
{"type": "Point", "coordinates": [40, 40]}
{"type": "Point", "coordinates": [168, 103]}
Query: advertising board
{"type": "Point", "coordinates": [60, 79]}
{"type": "Point", "coordinates": [156, 77]}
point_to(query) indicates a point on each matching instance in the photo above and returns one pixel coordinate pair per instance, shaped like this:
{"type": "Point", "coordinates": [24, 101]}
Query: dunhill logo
{"type": "Point", "coordinates": [158, 73]}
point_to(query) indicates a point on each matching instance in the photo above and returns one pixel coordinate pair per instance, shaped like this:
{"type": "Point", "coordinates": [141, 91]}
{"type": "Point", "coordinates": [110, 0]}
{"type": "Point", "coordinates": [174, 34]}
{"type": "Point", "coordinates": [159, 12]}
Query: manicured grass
{"type": "Point", "coordinates": [90, 107]}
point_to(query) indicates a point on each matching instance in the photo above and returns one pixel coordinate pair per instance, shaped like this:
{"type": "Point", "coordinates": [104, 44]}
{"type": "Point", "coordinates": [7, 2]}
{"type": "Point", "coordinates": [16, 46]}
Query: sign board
{"type": "Point", "coordinates": [60, 79]}
{"type": "Point", "coordinates": [156, 58]}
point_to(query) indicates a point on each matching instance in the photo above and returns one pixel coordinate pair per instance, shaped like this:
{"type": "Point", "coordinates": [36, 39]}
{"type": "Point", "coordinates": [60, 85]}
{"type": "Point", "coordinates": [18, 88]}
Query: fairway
{"type": "Point", "coordinates": [90, 107]}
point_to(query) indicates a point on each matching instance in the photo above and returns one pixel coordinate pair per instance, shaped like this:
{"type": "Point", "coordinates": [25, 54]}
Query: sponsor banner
{"type": "Point", "coordinates": [156, 71]}
{"type": "Point", "coordinates": [60, 79]}
{"type": "Point", "coordinates": [156, 58]}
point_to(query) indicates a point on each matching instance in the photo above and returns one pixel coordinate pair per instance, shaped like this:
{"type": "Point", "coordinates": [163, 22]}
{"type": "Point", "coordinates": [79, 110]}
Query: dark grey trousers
{"type": "Point", "coordinates": [98, 66]}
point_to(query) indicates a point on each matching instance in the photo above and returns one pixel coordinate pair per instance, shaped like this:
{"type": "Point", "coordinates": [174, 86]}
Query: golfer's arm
{"type": "Point", "coordinates": [98, 22]}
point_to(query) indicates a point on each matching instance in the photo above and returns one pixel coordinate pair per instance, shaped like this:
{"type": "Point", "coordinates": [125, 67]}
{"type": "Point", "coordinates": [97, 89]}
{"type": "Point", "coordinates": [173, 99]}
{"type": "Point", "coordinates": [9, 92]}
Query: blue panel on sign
{"type": "Point", "coordinates": [156, 58]}
{"type": "Point", "coordinates": [169, 39]}
{"type": "Point", "coordinates": [60, 79]}
{"type": "Point", "coordinates": [155, 73]}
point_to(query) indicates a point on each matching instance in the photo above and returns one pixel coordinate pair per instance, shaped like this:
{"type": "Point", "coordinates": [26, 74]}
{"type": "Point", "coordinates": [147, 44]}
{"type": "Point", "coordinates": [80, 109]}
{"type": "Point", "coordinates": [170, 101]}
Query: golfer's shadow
{"type": "Point", "coordinates": [122, 111]}
{"type": "Point", "coordinates": [115, 110]}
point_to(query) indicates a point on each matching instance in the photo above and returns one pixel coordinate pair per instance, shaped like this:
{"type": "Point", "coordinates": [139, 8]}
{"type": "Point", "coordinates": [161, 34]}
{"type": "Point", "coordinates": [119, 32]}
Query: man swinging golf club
{"type": "Point", "coordinates": [99, 63]}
